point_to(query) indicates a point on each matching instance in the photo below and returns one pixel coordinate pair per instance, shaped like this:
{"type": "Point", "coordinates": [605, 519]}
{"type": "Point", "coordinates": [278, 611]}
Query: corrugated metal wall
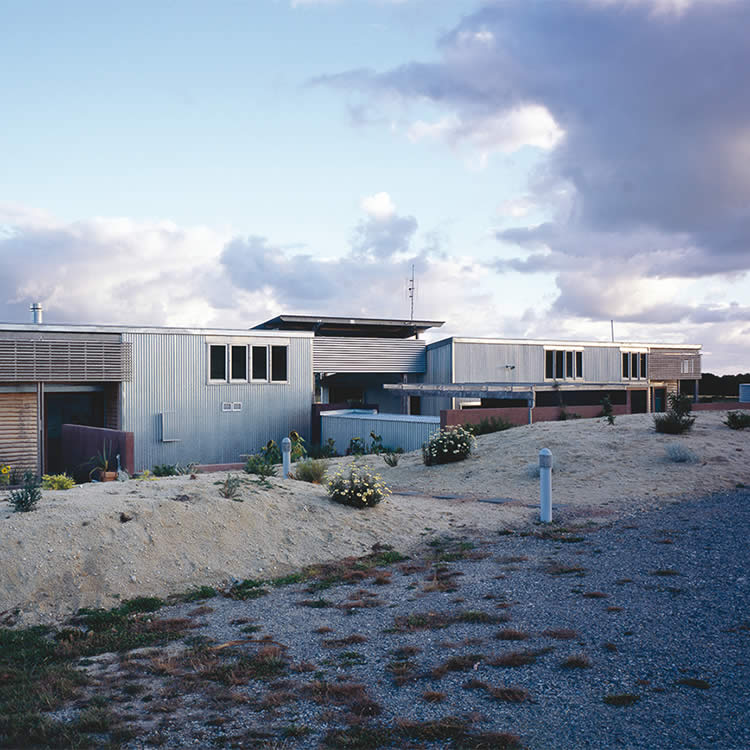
{"type": "Point", "coordinates": [602, 364]}
{"type": "Point", "coordinates": [397, 431]}
{"type": "Point", "coordinates": [439, 369]}
{"type": "Point", "coordinates": [486, 363]}
{"type": "Point", "coordinates": [332, 354]}
{"type": "Point", "coordinates": [18, 430]}
{"type": "Point", "coordinates": [170, 373]}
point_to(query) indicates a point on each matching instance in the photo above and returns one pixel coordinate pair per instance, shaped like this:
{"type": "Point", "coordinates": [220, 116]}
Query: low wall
{"type": "Point", "coordinates": [720, 406]}
{"type": "Point", "coordinates": [80, 443]}
{"type": "Point", "coordinates": [404, 431]}
{"type": "Point", "coordinates": [315, 417]}
{"type": "Point", "coordinates": [519, 415]}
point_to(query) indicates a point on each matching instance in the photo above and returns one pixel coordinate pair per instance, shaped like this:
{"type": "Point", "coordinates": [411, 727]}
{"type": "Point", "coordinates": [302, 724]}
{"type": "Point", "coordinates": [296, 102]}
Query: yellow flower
{"type": "Point", "coordinates": [5, 470]}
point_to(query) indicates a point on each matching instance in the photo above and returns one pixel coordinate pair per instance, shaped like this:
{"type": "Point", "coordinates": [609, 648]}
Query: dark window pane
{"type": "Point", "coordinates": [634, 365]}
{"type": "Point", "coordinates": [559, 364]}
{"type": "Point", "coordinates": [260, 363]}
{"type": "Point", "coordinates": [239, 363]}
{"type": "Point", "coordinates": [579, 364]}
{"type": "Point", "coordinates": [278, 363]}
{"type": "Point", "coordinates": [218, 363]}
{"type": "Point", "coordinates": [644, 370]}
{"type": "Point", "coordinates": [626, 365]}
{"type": "Point", "coordinates": [549, 364]}
{"type": "Point", "coordinates": [568, 364]}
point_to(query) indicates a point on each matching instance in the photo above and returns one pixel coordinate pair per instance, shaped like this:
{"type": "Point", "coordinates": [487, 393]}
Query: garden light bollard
{"type": "Point", "coordinates": [545, 485]}
{"type": "Point", "coordinates": [286, 453]}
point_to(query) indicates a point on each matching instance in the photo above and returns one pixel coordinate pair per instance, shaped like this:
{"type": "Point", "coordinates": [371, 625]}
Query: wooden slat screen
{"type": "Point", "coordinates": [62, 361]}
{"type": "Point", "coordinates": [18, 424]}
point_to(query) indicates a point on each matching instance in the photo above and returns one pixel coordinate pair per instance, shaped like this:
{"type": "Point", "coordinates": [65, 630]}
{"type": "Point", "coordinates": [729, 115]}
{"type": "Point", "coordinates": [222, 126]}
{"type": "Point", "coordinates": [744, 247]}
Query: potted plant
{"type": "Point", "coordinates": [100, 463]}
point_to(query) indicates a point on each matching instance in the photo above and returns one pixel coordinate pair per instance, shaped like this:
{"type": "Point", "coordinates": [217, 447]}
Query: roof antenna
{"type": "Point", "coordinates": [612, 323]}
{"type": "Point", "coordinates": [412, 288]}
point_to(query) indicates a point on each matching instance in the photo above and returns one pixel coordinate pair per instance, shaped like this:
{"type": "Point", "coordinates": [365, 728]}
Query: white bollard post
{"type": "Point", "coordinates": [545, 485]}
{"type": "Point", "coordinates": [286, 454]}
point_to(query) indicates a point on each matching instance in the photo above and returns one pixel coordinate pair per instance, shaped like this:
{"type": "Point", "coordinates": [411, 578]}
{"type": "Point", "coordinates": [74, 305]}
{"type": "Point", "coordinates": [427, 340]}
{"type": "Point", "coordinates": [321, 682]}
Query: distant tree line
{"type": "Point", "coordinates": [722, 385]}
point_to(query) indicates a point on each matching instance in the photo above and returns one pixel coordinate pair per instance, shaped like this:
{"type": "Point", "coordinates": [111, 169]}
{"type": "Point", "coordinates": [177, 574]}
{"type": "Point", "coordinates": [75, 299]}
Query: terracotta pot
{"type": "Point", "coordinates": [107, 476]}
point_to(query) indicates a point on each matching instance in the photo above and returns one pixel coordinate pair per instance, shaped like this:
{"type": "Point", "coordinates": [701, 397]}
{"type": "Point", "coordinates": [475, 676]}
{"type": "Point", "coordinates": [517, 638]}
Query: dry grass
{"type": "Point", "coordinates": [560, 634]}
{"type": "Point", "coordinates": [576, 661]}
{"type": "Point", "coordinates": [511, 634]}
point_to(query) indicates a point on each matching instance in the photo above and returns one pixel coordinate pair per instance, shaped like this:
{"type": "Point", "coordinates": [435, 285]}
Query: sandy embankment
{"type": "Point", "coordinates": [74, 550]}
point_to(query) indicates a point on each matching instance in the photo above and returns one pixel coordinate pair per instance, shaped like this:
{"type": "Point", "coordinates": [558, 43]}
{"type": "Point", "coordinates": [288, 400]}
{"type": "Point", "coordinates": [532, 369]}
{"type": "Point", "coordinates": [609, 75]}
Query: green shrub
{"type": "Point", "coordinates": [311, 470]}
{"type": "Point", "coordinates": [356, 447]}
{"type": "Point", "coordinates": [57, 482]}
{"type": "Point", "coordinates": [326, 450]}
{"type": "Point", "coordinates": [257, 464]}
{"type": "Point", "coordinates": [679, 454]}
{"type": "Point", "coordinates": [25, 499]}
{"type": "Point", "coordinates": [391, 458]}
{"type": "Point", "coordinates": [230, 488]}
{"type": "Point", "coordinates": [448, 445]}
{"type": "Point", "coordinates": [737, 420]}
{"type": "Point", "coordinates": [676, 419]}
{"type": "Point", "coordinates": [488, 425]}
{"type": "Point", "coordinates": [298, 446]}
{"type": "Point", "coordinates": [606, 403]}
{"type": "Point", "coordinates": [360, 487]}
{"type": "Point", "coordinates": [165, 470]}
{"type": "Point", "coordinates": [271, 453]}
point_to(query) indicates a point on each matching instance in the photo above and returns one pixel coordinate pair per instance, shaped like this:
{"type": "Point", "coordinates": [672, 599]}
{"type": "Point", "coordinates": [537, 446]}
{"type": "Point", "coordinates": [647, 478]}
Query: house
{"type": "Point", "coordinates": [185, 394]}
{"type": "Point", "coordinates": [522, 374]}
{"type": "Point", "coordinates": [212, 395]}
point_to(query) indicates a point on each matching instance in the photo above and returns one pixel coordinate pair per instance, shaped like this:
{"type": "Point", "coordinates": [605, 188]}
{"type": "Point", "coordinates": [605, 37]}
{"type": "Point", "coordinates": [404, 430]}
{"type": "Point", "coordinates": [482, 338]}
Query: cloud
{"type": "Point", "coordinates": [379, 206]}
{"type": "Point", "coordinates": [640, 110]}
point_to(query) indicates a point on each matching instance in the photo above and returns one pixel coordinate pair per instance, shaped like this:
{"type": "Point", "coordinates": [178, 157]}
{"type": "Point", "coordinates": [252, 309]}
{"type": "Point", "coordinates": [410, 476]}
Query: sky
{"type": "Point", "coordinates": [546, 167]}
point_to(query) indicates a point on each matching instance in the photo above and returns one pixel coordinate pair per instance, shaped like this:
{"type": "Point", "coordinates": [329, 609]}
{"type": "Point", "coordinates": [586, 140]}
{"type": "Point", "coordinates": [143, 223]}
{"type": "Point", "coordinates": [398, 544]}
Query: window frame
{"type": "Point", "coordinates": [230, 353]}
{"type": "Point", "coordinates": [567, 358]}
{"type": "Point", "coordinates": [265, 378]}
{"type": "Point", "coordinates": [637, 364]}
{"type": "Point", "coordinates": [285, 347]}
{"type": "Point", "coordinates": [211, 347]}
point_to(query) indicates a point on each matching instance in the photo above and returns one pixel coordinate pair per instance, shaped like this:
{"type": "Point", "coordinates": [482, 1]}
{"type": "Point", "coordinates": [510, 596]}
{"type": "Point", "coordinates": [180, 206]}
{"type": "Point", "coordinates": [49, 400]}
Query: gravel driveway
{"type": "Point", "coordinates": [634, 635]}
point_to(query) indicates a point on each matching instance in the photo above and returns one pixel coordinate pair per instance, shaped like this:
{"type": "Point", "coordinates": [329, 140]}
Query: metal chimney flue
{"type": "Point", "coordinates": [36, 311]}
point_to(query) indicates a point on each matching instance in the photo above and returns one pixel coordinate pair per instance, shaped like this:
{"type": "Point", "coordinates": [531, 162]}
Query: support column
{"type": "Point", "coordinates": [41, 447]}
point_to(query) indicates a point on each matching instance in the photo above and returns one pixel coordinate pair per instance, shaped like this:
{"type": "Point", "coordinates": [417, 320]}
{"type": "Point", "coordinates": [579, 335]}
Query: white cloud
{"type": "Point", "coordinates": [379, 206]}
{"type": "Point", "coordinates": [504, 132]}
{"type": "Point", "coordinates": [517, 207]}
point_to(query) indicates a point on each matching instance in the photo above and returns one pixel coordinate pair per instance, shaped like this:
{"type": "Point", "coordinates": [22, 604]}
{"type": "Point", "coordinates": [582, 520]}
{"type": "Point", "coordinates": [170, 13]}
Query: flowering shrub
{"type": "Point", "coordinates": [360, 487]}
{"type": "Point", "coordinates": [57, 482]}
{"type": "Point", "coordinates": [4, 474]}
{"type": "Point", "coordinates": [450, 444]}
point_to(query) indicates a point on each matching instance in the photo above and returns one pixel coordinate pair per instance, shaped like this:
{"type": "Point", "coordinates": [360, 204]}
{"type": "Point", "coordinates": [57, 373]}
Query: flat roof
{"type": "Point", "coordinates": [75, 328]}
{"type": "Point", "coordinates": [323, 325]}
{"type": "Point", "coordinates": [561, 343]}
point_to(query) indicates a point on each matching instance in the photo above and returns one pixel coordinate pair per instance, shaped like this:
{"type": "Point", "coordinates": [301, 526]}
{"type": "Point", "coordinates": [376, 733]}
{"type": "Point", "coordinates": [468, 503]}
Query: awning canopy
{"type": "Point", "coordinates": [494, 390]}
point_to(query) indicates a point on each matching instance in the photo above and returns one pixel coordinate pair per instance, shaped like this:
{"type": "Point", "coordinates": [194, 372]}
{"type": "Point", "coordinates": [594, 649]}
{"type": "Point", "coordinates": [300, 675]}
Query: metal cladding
{"type": "Point", "coordinates": [396, 430]}
{"type": "Point", "coordinates": [210, 422]}
{"type": "Point", "coordinates": [331, 354]}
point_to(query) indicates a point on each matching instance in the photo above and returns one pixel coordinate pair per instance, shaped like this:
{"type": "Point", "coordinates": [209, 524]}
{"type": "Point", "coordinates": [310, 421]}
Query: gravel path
{"type": "Point", "coordinates": [656, 606]}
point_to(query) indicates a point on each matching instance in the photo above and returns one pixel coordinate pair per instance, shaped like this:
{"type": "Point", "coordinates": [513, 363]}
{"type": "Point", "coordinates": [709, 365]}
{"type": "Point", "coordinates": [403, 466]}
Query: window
{"type": "Point", "coordinates": [634, 365]}
{"type": "Point", "coordinates": [239, 363]}
{"type": "Point", "coordinates": [278, 364]}
{"type": "Point", "coordinates": [260, 363]}
{"type": "Point", "coordinates": [561, 364]}
{"type": "Point", "coordinates": [686, 367]}
{"type": "Point", "coordinates": [218, 363]}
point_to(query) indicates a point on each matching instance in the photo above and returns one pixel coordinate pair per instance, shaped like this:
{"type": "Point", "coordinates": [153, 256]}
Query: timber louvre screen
{"type": "Point", "coordinates": [62, 361]}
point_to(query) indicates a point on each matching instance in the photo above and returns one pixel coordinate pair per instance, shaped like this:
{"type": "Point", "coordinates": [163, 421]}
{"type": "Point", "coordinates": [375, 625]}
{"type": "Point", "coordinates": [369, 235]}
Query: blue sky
{"type": "Point", "coordinates": [545, 166]}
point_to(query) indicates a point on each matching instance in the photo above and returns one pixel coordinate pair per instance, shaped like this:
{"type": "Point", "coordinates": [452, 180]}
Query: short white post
{"type": "Point", "coordinates": [286, 454]}
{"type": "Point", "coordinates": [545, 485]}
